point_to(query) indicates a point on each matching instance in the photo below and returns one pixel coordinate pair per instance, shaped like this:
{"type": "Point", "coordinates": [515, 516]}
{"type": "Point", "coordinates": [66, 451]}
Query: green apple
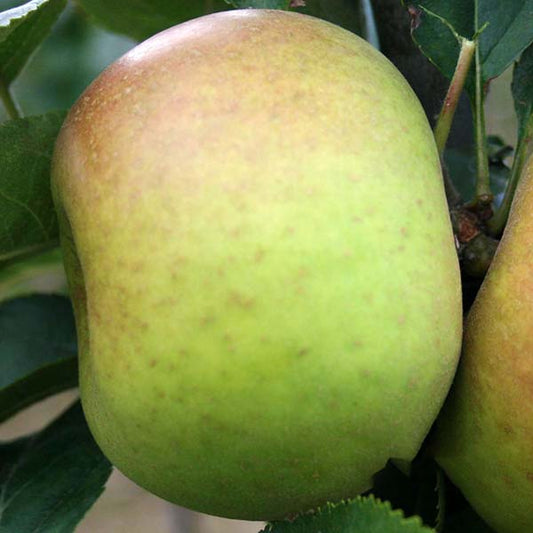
{"type": "Point", "coordinates": [261, 261]}
{"type": "Point", "coordinates": [484, 439]}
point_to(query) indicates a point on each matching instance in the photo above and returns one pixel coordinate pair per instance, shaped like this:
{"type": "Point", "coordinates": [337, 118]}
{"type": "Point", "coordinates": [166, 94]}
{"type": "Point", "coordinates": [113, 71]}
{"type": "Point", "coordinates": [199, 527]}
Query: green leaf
{"type": "Point", "coordinates": [522, 89]}
{"type": "Point", "coordinates": [28, 217]}
{"type": "Point", "coordinates": [42, 274]}
{"type": "Point", "coordinates": [50, 480]}
{"type": "Point", "coordinates": [506, 31]}
{"type": "Point", "coordinates": [22, 29]}
{"type": "Point", "coordinates": [142, 18]}
{"type": "Point", "coordinates": [37, 350]}
{"type": "Point", "coordinates": [461, 164]}
{"type": "Point", "coordinates": [362, 515]}
{"type": "Point", "coordinates": [260, 4]}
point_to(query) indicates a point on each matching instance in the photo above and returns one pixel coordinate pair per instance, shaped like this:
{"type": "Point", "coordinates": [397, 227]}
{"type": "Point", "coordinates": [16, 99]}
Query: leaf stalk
{"type": "Point", "coordinates": [447, 112]}
{"type": "Point", "coordinates": [497, 223]}
{"type": "Point", "coordinates": [9, 102]}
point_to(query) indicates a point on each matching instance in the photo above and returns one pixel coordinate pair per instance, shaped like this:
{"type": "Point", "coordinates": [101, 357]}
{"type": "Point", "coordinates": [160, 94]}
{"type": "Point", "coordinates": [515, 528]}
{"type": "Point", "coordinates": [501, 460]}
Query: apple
{"type": "Point", "coordinates": [484, 438]}
{"type": "Point", "coordinates": [261, 261]}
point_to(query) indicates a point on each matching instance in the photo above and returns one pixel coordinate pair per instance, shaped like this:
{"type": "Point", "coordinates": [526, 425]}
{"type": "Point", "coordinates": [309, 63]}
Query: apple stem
{"type": "Point", "coordinates": [7, 99]}
{"type": "Point", "coordinates": [447, 112]}
{"type": "Point", "coordinates": [497, 223]}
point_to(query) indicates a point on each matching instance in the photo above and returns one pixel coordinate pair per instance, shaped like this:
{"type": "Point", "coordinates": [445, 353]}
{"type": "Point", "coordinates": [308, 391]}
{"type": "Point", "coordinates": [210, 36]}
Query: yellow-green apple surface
{"type": "Point", "coordinates": [261, 261]}
{"type": "Point", "coordinates": [484, 438]}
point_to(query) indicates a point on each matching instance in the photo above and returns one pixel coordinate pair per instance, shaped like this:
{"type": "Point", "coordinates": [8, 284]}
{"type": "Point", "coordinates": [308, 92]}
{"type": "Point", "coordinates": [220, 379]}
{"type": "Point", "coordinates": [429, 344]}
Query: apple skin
{"type": "Point", "coordinates": [484, 438]}
{"type": "Point", "coordinates": [261, 261]}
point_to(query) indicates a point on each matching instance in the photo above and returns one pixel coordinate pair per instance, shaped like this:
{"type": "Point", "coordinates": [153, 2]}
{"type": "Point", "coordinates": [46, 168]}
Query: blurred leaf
{"type": "Point", "coordinates": [508, 31]}
{"type": "Point", "coordinates": [497, 149]}
{"type": "Point", "coordinates": [142, 18]}
{"type": "Point", "coordinates": [461, 165]}
{"type": "Point", "coordinates": [522, 89]}
{"type": "Point", "coordinates": [345, 13]}
{"type": "Point", "coordinates": [42, 274]}
{"type": "Point", "coordinates": [362, 515]}
{"type": "Point", "coordinates": [85, 50]}
{"type": "Point", "coordinates": [260, 4]}
{"type": "Point", "coordinates": [26, 209]}
{"type": "Point", "coordinates": [50, 480]}
{"type": "Point", "coordinates": [37, 350]}
{"type": "Point", "coordinates": [22, 29]}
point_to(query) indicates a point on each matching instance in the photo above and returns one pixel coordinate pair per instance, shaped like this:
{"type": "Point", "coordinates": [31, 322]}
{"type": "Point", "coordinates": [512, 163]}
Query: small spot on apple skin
{"type": "Point", "coordinates": [241, 300]}
{"type": "Point", "coordinates": [259, 255]}
{"type": "Point", "coordinates": [507, 429]}
{"type": "Point", "coordinates": [137, 266]}
{"type": "Point", "coordinates": [235, 233]}
{"type": "Point", "coordinates": [368, 298]}
{"type": "Point", "coordinates": [508, 481]}
{"type": "Point", "coordinates": [300, 291]}
{"type": "Point", "coordinates": [302, 273]}
{"type": "Point", "coordinates": [304, 350]}
{"type": "Point", "coordinates": [401, 320]}
{"type": "Point", "coordinates": [244, 465]}
{"type": "Point", "coordinates": [529, 476]}
{"type": "Point", "coordinates": [403, 231]}
{"type": "Point", "coordinates": [153, 363]}
{"type": "Point", "coordinates": [289, 230]}
{"type": "Point", "coordinates": [411, 384]}
{"type": "Point", "coordinates": [207, 320]}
